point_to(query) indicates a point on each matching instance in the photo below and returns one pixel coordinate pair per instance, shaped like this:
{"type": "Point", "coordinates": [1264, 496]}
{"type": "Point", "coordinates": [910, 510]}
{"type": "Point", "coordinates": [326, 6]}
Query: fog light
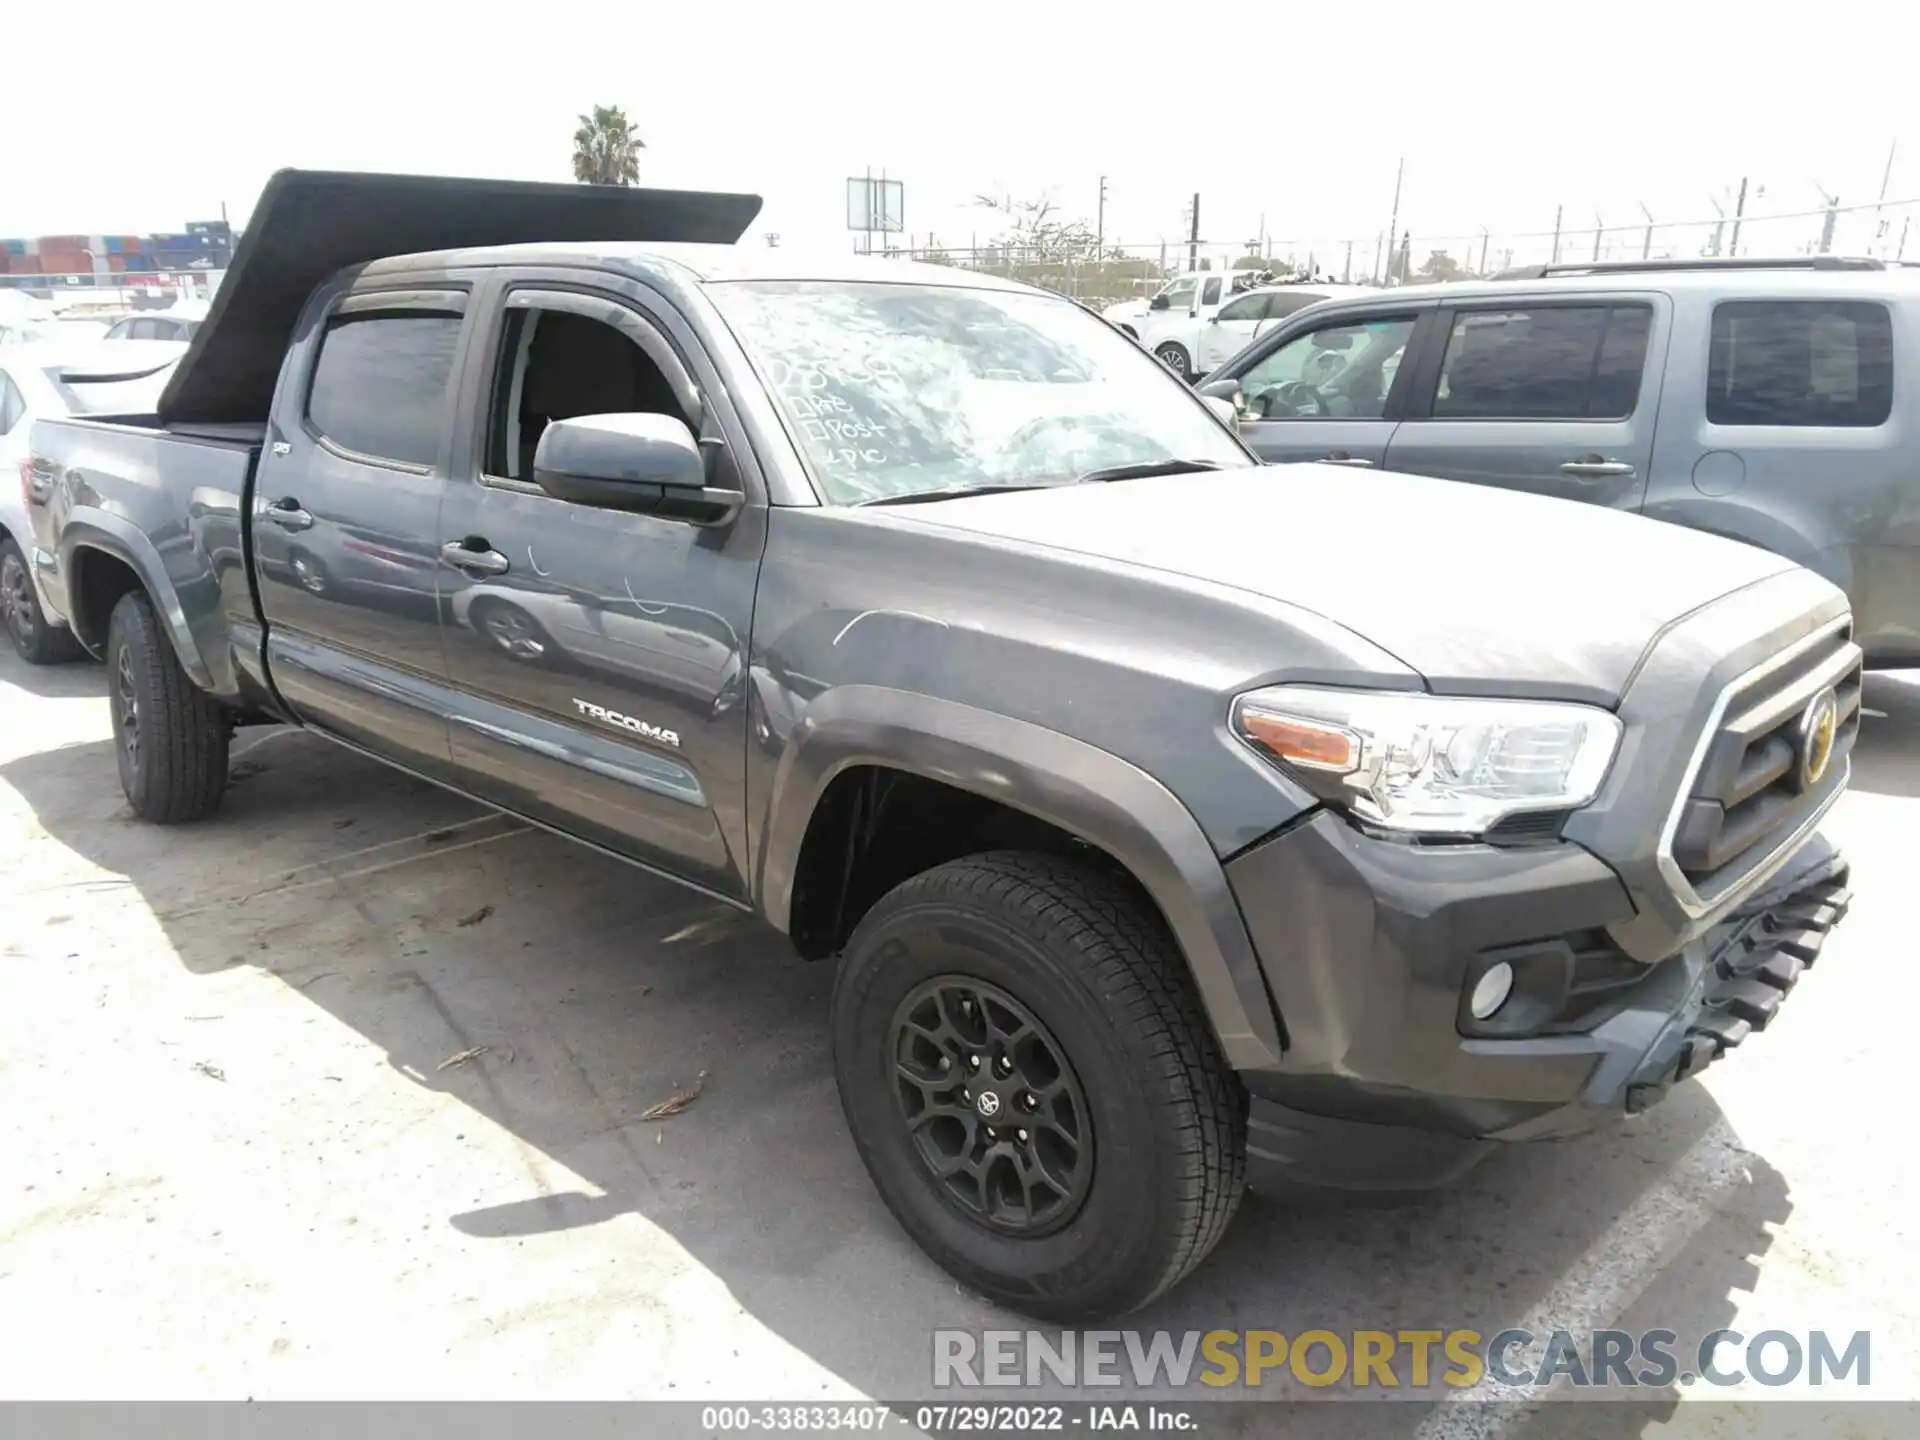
{"type": "Point", "coordinates": [1490, 991]}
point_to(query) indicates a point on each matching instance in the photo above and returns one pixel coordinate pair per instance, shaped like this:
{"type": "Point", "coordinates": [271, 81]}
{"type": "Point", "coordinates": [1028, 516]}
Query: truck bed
{"type": "Point", "coordinates": [171, 504]}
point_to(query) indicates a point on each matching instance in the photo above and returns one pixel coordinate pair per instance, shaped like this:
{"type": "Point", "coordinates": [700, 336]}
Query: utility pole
{"type": "Point", "coordinates": [1393, 225]}
{"type": "Point", "coordinates": [1719, 225]}
{"type": "Point", "coordinates": [1100, 225]}
{"type": "Point", "coordinates": [1484, 238]}
{"type": "Point", "coordinates": [1599, 229]}
{"type": "Point", "coordinates": [1558, 210]}
{"type": "Point", "coordinates": [1346, 272]}
{"type": "Point", "coordinates": [1833, 214]}
{"type": "Point", "coordinates": [1885, 176]}
{"type": "Point", "coordinates": [1193, 236]}
{"type": "Point", "coordinates": [1901, 253]}
{"type": "Point", "coordinates": [1646, 245]}
{"type": "Point", "coordinates": [1739, 209]}
{"type": "Point", "coordinates": [1379, 256]}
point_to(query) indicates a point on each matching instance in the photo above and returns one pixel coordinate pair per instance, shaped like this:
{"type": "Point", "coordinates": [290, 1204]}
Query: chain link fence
{"type": "Point", "coordinates": [1121, 271]}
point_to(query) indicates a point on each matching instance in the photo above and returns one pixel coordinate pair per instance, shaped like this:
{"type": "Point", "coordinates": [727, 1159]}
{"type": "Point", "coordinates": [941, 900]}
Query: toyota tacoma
{"type": "Point", "coordinates": [1175, 822]}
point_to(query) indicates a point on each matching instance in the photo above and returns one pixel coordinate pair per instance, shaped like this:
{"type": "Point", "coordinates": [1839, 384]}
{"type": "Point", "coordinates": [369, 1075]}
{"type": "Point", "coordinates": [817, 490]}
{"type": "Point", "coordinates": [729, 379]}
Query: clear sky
{"type": "Point", "coordinates": [136, 119]}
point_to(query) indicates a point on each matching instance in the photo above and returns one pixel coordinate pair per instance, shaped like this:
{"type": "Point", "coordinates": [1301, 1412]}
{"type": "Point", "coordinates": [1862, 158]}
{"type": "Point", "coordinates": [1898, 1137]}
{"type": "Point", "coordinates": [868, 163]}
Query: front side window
{"type": "Point", "coordinates": [380, 385]}
{"type": "Point", "coordinates": [894, 390]}
{"type": "Point", "coordinates": [1338, 372]}
{"type": "Point", "coordinates": [559, 365]}
{"type": "Point", "coordinates": [1801, 363]}
{"type": "Point", "coordinates": [1179, 295]}
{"type": "Point", "coordinates": [1560, 362]}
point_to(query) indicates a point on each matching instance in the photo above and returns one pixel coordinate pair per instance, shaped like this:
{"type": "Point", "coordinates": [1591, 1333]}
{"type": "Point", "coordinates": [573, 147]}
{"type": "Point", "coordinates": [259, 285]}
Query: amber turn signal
{"type": "Point", "coordinates": [1309, 743]}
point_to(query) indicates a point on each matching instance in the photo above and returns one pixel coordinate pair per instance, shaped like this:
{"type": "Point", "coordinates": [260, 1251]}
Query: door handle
{"type": "Point", "coordinates": [475, 556]}
{"type": "Point", "coordinates": [287, 514]}
{"type": "Point", "coordinates": [1341, 457]}
{"type": "Point", "coordinates": [1596, 466]}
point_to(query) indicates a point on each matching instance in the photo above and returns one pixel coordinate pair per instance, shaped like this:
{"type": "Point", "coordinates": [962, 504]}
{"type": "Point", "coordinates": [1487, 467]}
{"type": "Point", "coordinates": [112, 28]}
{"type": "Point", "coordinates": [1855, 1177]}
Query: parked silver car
{"type": "Point", "coordinates": [1760, 400]}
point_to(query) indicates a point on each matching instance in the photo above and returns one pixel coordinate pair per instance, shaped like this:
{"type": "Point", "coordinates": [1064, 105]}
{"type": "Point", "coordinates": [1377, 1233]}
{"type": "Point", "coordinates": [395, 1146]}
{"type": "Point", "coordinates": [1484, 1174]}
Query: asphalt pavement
{"type": "Point", "coordinates": [342, 1093]}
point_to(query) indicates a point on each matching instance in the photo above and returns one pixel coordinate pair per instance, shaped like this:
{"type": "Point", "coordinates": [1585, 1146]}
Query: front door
{"type": "Point", "coordinates": [1547, 397]}
{"type": "Point", "coordinates": [1324, 393]}
{"type": "Point", "coordinates": [346, 522]}
{"type": "Point", "coordinates": [598, 656]}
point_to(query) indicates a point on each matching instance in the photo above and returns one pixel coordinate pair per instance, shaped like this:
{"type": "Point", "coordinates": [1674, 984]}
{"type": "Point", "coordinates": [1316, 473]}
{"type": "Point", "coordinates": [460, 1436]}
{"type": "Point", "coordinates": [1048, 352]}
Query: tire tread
{"type": "Point", "coordinates": [1121, 947]}
{"type": "Point", "coordinates": [184, 769]}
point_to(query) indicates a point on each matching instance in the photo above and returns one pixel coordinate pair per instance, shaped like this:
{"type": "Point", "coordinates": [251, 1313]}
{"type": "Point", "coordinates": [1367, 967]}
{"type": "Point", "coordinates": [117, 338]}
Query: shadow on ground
{"type": "Point", "coordinates": [432, 926]}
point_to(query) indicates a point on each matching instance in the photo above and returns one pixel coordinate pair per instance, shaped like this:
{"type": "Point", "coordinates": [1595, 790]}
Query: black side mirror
{"type": "Point", "coordinates": [1159, 302]}
{"type": "Point", "coordinates": [645, 463]}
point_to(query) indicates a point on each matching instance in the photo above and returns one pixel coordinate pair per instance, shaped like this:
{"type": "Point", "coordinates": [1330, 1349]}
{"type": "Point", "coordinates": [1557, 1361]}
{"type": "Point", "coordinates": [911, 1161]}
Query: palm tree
{"type": "Point", "coordinates": [606, 151]}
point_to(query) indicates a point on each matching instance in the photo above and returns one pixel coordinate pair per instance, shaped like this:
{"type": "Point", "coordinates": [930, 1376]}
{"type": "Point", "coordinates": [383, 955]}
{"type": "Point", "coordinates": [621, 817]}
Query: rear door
{"type": "Point", "coordinates": [1231, 329]}
{"type": "Point", "coordinates": [1554, 396]}
{"type": "Point", "coordinates": [346, 519]}
{"type": "Point", "coordinates": [1327, 389]}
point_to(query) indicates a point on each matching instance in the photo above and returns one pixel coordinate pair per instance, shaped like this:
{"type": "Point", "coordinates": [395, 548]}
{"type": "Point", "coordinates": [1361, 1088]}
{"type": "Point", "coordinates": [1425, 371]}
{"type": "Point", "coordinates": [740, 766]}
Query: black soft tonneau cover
{"type": "Point", "coordinates": [311, 223]}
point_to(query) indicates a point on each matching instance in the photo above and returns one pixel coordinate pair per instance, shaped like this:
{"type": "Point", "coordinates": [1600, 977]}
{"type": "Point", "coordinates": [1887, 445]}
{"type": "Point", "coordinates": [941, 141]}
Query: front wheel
{"type": "Point", "coordinates": [1174, 357]}
{"type": "Point", "coordinates": [170, 736]}
{"type": "Point", "coordinates": [1028, 1076]}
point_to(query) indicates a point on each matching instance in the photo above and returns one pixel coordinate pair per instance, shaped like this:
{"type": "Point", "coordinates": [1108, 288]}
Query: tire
{"type": "Point", "coordinates": [34, 639]}
{"type": "Point", "coordinates": [1163, 1164]}
{"type": "Point", "coordinates": [170, 737]}
{"type": "Point", "coordinates": [1174, 356]}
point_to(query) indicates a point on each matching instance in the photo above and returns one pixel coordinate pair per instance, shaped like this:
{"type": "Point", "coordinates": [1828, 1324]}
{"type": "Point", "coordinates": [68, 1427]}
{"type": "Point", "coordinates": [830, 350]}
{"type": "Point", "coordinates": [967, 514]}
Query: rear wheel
{"type": "Point", "coordinates": [170, 736]}
{"type": "Point", "coordinates": [34, 638]}
{"type": "Point", "coordinates": [1028, 1076]}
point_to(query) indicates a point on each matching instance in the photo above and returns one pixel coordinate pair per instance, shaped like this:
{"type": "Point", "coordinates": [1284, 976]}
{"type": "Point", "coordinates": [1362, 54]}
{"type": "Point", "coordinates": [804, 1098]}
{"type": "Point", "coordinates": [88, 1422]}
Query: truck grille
{"type": "Point", "coordinates": [1752, 788]}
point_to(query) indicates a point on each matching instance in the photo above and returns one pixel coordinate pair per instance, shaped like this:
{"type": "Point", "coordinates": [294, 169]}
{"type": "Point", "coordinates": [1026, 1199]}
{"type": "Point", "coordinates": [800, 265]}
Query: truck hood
{"type": "Point", "coordinates": [1479, 590]}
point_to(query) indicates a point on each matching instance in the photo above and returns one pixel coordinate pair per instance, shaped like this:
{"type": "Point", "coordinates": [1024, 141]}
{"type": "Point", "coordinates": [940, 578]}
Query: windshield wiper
{"type": "Point", "coordinates": [1145, 469]}
{"type": "Point", "coordinates": [916, 497]}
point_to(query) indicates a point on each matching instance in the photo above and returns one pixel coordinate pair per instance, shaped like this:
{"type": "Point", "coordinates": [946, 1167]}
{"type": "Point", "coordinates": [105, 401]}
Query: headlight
{"type": "Point", "coordinates": [1431, 765]}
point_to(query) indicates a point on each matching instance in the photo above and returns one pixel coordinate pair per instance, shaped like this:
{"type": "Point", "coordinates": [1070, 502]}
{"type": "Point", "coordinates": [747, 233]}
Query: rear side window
{"type": "Point", "coordinates": [1800, 362]}
{"type": "Point", "coordinates": [1559, 362]}
{"type": "Point", "coordinates": [1246, 307]}
{"type": "Point", "coordinates": [1295, 300]}
{"type": "Point", "coordinates": [380, 387]}
{"type": "Point", "coordinates": [1211, 294]}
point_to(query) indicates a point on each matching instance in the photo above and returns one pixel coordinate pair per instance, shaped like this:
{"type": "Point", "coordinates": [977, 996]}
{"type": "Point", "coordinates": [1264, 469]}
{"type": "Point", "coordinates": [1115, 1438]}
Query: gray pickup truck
{"type": "Point", "coordinates": [1175, 822]}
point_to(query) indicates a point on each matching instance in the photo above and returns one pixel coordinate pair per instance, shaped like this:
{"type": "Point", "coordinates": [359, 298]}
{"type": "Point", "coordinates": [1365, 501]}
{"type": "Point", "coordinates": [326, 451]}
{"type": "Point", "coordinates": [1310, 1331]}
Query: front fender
{"type": "Point", "coordinates": [94, 529]}
{"type": "Point", "coordinates": [1084, 790]}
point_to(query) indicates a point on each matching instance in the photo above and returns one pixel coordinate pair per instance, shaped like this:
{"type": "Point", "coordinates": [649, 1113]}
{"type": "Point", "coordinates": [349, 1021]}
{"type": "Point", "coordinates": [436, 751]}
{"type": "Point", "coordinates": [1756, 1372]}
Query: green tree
{"type": "Point", "coordinates": [1441, 266]}
{"type": "Point", "coordinates": [606, 151]}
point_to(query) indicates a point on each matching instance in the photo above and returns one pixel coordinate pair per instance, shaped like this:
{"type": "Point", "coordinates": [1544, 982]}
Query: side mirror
{"type": "Point", "coordinates": [1226, 394]}
{"type": "Point", "coordinates": [1225, 411]}
{"type": "Point", "coordinates": [641, 462]}
{"type": "Point", "coordinates": [1159, 302]}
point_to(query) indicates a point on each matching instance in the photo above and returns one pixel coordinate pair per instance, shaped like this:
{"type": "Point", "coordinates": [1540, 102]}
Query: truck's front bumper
{"type": "Point", "coordinates": [1370, 947]}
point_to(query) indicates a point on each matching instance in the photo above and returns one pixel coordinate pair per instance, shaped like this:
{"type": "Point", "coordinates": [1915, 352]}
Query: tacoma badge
{"type": "Point", "coordinates": [627, 722]}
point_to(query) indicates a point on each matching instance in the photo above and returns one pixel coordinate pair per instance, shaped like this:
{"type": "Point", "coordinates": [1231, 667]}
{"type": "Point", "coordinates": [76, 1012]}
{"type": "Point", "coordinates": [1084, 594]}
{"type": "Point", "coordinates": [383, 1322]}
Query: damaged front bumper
{"type": "Point", "coordinates": [1371, 946]}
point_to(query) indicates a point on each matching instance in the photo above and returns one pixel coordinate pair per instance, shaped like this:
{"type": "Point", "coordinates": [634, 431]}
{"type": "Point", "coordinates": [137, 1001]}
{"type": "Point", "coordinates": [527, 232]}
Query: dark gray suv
{"type": "Point", "coordinates": [1760, 400]}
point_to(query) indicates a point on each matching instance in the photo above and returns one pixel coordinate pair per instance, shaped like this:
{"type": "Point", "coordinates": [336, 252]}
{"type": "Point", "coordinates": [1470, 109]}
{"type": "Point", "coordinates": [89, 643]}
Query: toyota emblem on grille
{"type": "Point", "coordinates": [1818, 725]}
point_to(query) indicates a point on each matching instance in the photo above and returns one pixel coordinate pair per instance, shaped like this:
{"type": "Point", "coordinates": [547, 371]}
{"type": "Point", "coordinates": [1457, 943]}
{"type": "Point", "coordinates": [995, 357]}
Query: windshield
{"type": "Point", "coordinates": [895, 390]}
